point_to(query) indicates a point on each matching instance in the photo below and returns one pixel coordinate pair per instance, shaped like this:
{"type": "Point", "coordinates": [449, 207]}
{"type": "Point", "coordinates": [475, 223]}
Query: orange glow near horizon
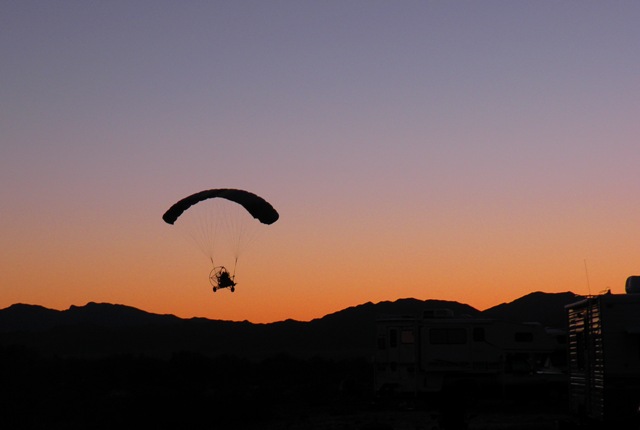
{"type": "Point", "coordinates": [296, 271]}
{"type": "Point", "coordinates": [437, 150]}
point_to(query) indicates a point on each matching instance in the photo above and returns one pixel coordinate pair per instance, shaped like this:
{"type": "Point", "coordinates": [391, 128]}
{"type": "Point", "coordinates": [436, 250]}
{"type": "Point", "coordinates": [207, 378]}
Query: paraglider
{"type": "Point", "coordinates": [221, 221]}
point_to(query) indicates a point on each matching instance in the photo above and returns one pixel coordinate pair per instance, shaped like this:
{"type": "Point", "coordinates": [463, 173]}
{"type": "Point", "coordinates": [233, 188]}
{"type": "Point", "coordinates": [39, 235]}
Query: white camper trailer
{"type": "Point", "coordinates": [427, 354]}
{"type": "Point", "coordinates": [604, 355]}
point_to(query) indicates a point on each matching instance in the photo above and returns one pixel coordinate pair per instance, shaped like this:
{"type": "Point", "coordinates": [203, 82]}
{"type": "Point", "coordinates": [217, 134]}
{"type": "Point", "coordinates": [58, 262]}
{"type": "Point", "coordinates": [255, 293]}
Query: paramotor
{"type": "Point", "coordinates": [222, 222]}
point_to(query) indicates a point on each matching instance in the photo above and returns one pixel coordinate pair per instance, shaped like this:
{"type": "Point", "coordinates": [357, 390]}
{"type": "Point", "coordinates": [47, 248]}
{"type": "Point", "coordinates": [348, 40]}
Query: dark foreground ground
{"type": "Point", "coordinates": [194, 391]}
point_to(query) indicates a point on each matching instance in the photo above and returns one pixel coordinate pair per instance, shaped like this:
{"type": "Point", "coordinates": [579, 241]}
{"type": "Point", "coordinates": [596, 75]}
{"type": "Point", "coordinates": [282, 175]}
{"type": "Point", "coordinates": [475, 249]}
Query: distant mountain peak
{"type": "Point", "coordinates": [103, 328]}
{"type": "Point", "coordinates": [538, 306]}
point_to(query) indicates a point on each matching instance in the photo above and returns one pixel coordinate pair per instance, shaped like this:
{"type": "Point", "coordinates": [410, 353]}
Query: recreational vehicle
{"type": "Point", "coordinates": [435, 351]}
{"type": "Point", "coordinates": [604, 355]}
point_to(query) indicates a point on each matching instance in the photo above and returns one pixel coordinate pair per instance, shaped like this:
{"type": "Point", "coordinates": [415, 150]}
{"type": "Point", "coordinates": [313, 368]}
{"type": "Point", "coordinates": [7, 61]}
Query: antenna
{"type": "Point", "coordinates": [586, 272]}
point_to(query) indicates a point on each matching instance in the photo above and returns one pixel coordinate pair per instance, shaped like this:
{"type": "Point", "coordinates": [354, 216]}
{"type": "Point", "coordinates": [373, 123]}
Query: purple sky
{"type": "Point", "coordinates": [470, 151]}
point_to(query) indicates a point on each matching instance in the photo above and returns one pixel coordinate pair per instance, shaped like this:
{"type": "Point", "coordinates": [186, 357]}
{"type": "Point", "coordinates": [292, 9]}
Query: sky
{"type": "Point", "coordinates": [473, 151]}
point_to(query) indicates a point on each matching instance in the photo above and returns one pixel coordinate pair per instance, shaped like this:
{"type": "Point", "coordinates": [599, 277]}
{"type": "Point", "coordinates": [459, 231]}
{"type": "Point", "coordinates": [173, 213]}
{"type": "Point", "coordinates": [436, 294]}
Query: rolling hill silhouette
{"type": "Point", "coordinates": [113, 366]}
{"type": "Point", "coordinates": [545, 308]}
{"type": "Point", "coordinates": [99, 329]}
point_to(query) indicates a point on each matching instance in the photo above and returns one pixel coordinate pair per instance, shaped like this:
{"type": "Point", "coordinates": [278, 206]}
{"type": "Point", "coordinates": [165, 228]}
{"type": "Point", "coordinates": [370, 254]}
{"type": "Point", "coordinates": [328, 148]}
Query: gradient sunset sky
{"type": "Point", "coordinates": [473, 151]}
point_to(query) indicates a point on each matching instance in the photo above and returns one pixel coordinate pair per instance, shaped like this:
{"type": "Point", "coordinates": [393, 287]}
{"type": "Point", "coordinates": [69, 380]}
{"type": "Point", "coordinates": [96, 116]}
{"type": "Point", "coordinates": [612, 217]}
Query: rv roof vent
{"type": "Point", "coordinates": [633, 285]}
{"type": "Point", "coordinates": [437, 313]}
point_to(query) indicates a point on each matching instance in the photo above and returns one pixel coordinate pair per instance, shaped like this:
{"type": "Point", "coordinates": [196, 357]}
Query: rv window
{"type": "Point", "coordinates": [447, 336]}
{"type": "Point", "coordinates": [406, 336]}
{"type": "Point", "coordinates": [393, 338]}
{"type": "Point", "coordinates": [523, 336]}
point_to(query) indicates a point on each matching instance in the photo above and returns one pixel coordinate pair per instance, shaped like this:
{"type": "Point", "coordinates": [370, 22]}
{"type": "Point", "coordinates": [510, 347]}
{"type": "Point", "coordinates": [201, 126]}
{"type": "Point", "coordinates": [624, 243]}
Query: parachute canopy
{"type": "Point", "coordinates": [258, 207]}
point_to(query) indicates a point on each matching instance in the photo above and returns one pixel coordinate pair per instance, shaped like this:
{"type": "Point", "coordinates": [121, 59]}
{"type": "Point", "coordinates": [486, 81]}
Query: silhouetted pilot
{"type": "Point", "coordinates": [224, 279]}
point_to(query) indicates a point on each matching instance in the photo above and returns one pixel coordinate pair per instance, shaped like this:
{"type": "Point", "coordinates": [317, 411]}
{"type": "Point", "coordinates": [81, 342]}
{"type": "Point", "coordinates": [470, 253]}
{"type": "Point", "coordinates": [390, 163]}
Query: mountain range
{"type": "Point", "coordinates": [101, 329]}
